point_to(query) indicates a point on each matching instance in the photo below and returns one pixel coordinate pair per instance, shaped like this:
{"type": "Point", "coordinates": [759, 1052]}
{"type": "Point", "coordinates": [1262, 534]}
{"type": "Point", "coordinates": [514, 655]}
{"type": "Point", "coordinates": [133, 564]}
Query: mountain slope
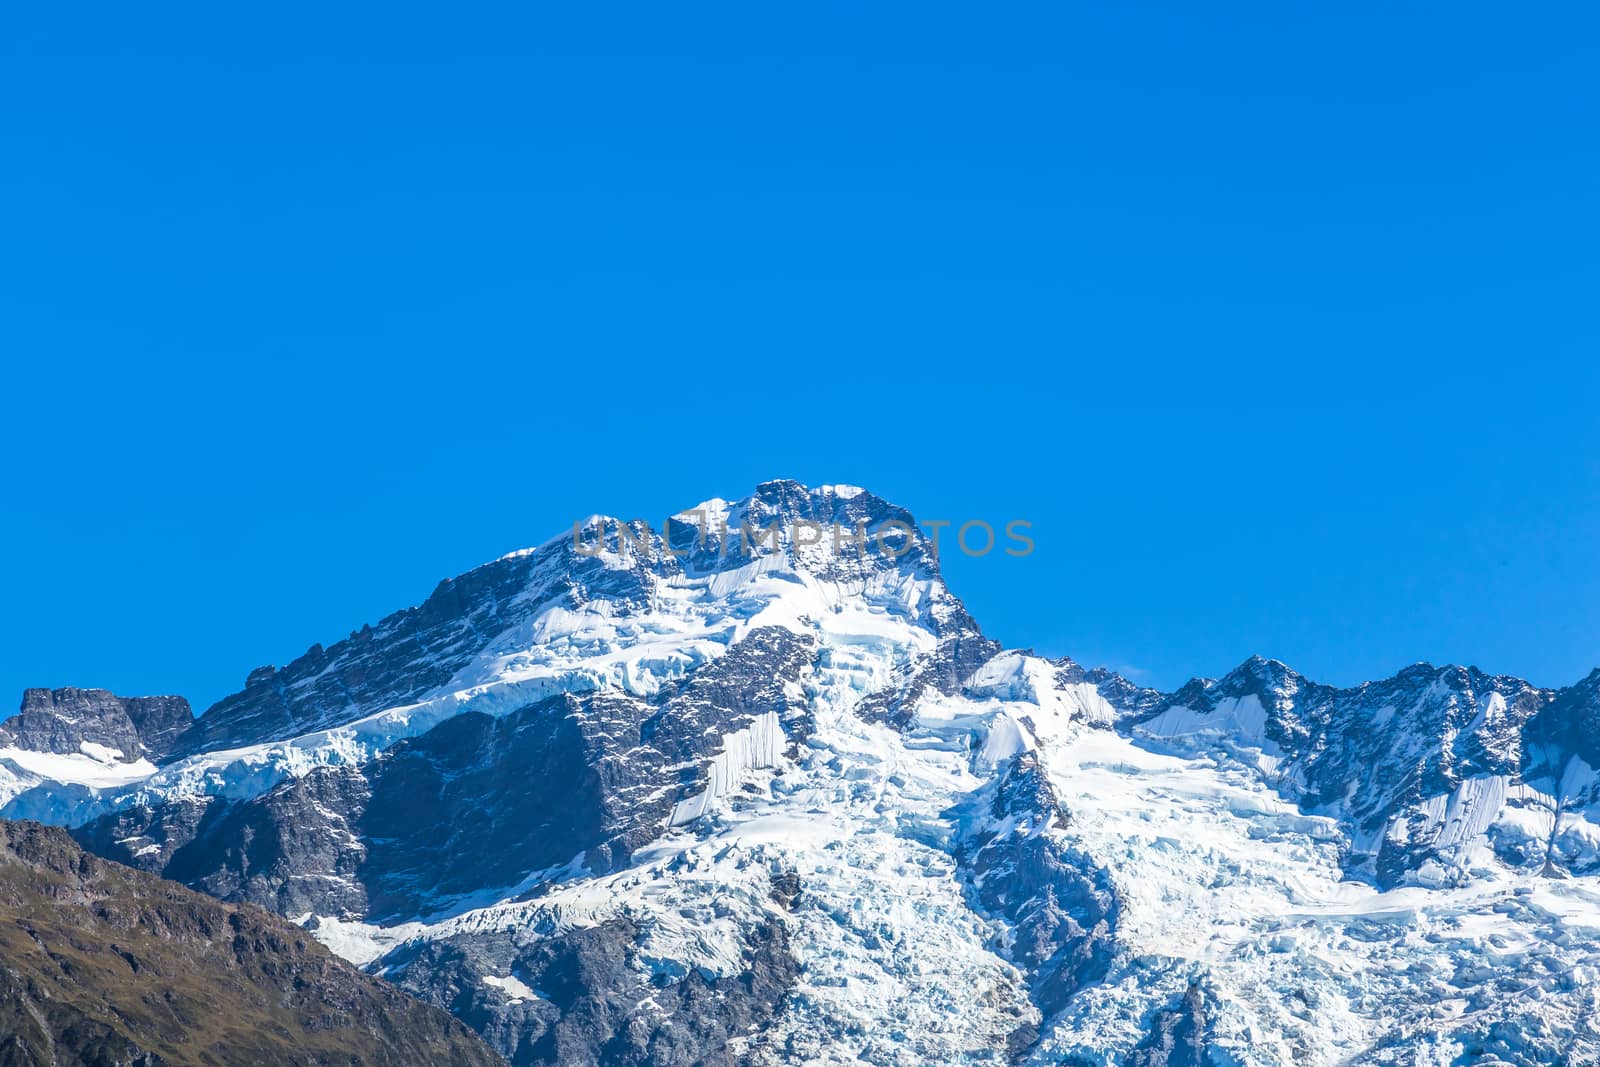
{"type": "Point", "coordinates": [103, 965]}
{"type": "Point", "coordinates": [762, 792]}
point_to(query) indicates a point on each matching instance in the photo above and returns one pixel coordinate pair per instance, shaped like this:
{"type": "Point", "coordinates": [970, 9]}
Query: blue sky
{"type": "Point", "coordinates": [1278, 324]}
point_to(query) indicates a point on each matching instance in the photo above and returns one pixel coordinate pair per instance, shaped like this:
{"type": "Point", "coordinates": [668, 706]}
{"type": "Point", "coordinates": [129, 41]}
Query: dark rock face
{"type": "Point", "coordinates": [147, 838]}
{"type": "Point", "coordinates": [1177, 1035]}
{"type": "Point", "coordinates": [1566, 727]}
{"type": "Point", "coordinates": [162, 722]}
{"type": "Point", "coordinates": [594, 1006]}
{"type": "Point", "coordinates": [103, 965]}
{"type": "Point", "coordinates": [292, 850]}
{"type": "Point", "coordinates": [479, 803]}
{"type": "Point", "coordinates": [476, 803]}
{"type": "Point", "coordinates": [1561, 742]}
{"type": "Point", "coordinates": [1060, 905]}
{"type": "Point", "coordinates": [61, 720]}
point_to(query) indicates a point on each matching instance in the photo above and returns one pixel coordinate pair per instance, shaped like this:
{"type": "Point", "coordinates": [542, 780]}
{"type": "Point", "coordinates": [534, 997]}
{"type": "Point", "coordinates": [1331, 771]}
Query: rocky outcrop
{"type": "Point", "coordinates": [293, 850]}
{"type": "Point", "coordinates": [100, 964]}
{"type": "Point", "coordinates": [64, 720]}
{"type": "Point", "coordinates": [583, 998]}
{"type": "Point", "coordinates": [1177, 1036]}
{"type": "Point", "coordinates": [1059, 906]}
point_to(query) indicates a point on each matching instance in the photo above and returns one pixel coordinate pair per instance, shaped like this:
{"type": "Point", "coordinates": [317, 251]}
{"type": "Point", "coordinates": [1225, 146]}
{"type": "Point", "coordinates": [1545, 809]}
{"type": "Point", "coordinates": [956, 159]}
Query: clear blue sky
{"type": "Point", "coordinates": [1279, 324]}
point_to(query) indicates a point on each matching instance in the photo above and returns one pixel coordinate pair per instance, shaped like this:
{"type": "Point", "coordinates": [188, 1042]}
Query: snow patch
{"type": "Point", "coordinates": [515, 989]}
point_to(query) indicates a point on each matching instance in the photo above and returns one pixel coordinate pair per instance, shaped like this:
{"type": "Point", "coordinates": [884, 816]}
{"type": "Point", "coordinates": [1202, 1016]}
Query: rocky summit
{"type": "Point", "coordinates": [753, 787]}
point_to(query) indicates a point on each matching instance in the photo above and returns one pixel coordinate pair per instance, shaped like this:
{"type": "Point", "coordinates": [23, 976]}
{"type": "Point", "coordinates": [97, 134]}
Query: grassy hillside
{"type": "Point", "coordinates": [104, 965]}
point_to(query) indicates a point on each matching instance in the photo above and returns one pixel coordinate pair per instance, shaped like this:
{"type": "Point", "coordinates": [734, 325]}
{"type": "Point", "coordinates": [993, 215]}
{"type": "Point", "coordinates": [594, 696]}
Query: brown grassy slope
{"type": "Point", "coordinates": [106, 966]}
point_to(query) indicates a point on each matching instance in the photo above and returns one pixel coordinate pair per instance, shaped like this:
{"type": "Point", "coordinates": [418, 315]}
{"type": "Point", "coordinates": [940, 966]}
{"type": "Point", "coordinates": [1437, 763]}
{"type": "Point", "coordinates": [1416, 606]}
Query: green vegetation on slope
{"type": "Point", "coordinates": [103, 965]}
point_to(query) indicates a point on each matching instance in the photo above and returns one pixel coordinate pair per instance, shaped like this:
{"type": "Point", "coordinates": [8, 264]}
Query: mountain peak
{"type": "Point", "coordinates": [1258, 666]}
{"type": "Point", "coordinates": [836, 532]}
{"type": "Point", "coordinates": [63, 721]}
{"type": "Point", "coordinates": [513, 624]}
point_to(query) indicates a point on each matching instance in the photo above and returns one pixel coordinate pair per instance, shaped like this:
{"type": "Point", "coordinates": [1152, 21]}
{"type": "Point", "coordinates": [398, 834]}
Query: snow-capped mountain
{"type": "Point", "coordinates": [764, 793]}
